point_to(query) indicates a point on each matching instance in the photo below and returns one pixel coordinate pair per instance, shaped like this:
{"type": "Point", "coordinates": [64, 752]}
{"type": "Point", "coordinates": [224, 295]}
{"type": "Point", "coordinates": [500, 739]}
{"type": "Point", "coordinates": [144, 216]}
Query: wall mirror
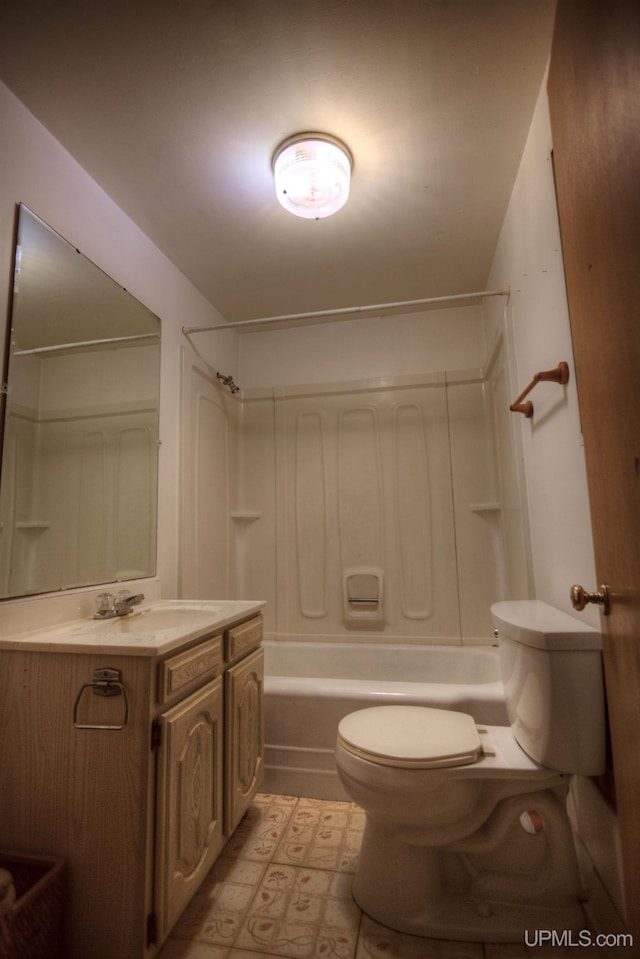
{"type": "Point", "coordinates": [78, 483]}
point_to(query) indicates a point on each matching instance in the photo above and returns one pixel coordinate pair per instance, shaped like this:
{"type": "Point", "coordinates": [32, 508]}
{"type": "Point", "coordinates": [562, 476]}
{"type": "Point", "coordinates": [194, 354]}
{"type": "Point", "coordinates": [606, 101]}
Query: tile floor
{"type": "Point", "coordinates": [281, 889]}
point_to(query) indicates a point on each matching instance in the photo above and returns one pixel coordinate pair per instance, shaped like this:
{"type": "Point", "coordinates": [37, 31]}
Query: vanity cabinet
{"type": "Point", "coordinates": [137, 790]}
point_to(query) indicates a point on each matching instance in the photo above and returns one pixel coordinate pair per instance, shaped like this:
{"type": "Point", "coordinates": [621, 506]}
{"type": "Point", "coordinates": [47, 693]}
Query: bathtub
{"type": "Point", "coordinates": [309, 686]}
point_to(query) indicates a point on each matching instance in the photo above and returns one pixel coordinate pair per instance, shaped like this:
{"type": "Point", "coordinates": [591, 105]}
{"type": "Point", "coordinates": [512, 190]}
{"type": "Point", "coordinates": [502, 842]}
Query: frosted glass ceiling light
{"type": "Point", "coordinates": [312, 173]}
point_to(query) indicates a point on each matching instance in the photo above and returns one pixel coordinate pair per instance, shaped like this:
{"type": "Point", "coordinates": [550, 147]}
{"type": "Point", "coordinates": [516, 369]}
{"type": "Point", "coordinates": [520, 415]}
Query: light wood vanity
{"type": "Point", "coordinates": [135, 777]}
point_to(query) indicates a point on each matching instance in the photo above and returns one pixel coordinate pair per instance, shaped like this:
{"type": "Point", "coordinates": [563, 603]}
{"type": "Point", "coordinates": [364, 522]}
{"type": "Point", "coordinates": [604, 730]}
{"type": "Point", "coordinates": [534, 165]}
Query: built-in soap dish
{"type": "Point", "coordinates": [363, 595]}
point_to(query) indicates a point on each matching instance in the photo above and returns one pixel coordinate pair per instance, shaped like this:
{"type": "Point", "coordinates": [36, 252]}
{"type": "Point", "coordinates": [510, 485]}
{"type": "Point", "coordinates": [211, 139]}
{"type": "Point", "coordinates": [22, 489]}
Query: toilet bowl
{"type": "Point", "coordinates": [467, 834]}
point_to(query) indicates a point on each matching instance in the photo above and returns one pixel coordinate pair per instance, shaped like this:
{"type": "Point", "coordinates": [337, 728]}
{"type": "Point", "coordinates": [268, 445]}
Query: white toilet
{"type": "Point", "coordinates": [467, 834]}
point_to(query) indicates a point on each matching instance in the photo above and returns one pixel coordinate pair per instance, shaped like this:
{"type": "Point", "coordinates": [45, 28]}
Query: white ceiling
{"type": "Point", "coordinates": [175, 109]}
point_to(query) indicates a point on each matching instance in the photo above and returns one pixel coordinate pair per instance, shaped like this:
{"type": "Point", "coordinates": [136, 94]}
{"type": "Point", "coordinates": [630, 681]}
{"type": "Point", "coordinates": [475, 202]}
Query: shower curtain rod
{"type": "Point", "coordinates": [69, 346]}
{"type": "Point", "coordinates": [505, 291]}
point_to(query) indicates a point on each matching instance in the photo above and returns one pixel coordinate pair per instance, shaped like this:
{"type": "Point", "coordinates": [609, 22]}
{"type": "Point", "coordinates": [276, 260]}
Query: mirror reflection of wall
{"type": "Point", "coordinates": [78, 487]}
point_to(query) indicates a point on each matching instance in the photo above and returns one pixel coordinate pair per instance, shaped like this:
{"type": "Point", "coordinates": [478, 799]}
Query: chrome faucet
{"type": "Point", "coordinates": [109, 606]}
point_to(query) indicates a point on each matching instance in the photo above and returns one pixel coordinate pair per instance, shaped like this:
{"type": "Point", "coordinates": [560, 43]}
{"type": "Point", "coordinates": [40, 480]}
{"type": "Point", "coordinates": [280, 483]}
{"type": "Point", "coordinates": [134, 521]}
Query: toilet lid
{"type": "Point", "coordinates": [411, 736]}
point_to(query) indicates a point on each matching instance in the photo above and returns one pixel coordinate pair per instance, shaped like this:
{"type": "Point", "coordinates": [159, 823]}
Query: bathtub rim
{"type": "Point", "coordinates": [300, 740]}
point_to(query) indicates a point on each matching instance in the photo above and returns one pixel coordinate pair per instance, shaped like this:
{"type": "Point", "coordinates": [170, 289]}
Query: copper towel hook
{"type": "Point", "coordinates": [559, 375]}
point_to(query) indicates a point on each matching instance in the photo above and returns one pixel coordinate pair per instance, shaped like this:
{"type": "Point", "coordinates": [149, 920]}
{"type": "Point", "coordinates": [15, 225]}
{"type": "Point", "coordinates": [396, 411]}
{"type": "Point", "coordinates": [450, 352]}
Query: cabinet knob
{"type": "Point", "coordinates": [580, 597]}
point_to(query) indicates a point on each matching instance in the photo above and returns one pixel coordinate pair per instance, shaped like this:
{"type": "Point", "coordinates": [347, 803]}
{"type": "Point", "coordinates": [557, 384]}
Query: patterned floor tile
{"type": "Point", "coordinates": [378, 942]}
{"type": "Point", "coordinates": [183, 949]}
{"type": "Point", "coordinates": [269, 799]}
{"type": "Point", "coordinates": [325, 835]}
{"type": "Point", "coordinates": [245, 954]}
{"type": "Point", "coordinates": [302, 912]}
{"type": "Point", "coordinates": [261, 828]}
{"type": "Point", "coordinates": [282, 890]}
{"type": "Point", "coordinates": [215, 913]}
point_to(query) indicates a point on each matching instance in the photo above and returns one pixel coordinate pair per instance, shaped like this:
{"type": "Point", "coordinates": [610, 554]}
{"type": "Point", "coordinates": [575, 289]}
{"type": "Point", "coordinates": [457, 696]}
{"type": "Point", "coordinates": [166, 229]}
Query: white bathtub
{"type": "Point", "coordinates": [310, 686]}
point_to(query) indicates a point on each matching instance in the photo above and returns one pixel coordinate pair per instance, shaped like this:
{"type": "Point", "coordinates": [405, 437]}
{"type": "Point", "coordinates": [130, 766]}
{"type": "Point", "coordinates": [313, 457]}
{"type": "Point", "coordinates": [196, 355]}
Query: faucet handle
{"type": "Point", "coordinates": [104, 602]}
{"type": "Point", "coordinates": [126, 599]}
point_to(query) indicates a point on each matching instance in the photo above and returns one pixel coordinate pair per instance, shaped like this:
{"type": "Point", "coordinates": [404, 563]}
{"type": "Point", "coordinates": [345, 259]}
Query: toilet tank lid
{"type": "Point", "coordinates": [534, 623]}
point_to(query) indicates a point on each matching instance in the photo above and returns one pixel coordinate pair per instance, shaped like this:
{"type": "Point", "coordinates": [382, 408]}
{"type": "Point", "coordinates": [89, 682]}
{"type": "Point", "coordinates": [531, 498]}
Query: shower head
{"type": "Point", "coordinates": [228, 381]}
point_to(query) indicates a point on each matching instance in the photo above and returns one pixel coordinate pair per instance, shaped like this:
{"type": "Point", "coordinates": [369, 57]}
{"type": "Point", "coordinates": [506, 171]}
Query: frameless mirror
{"type": "Point", "coordinates": [78, 487]}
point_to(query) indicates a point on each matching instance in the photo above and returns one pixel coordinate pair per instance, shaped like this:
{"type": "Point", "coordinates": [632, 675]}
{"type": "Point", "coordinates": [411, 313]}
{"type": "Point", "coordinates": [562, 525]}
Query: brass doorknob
{"type": "Point", "coordinates": [580, 597]}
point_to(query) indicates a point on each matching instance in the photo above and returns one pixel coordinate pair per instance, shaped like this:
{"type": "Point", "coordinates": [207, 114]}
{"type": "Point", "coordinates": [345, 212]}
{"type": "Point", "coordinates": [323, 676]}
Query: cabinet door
{"type": "Point", "coordinates": [189, 832]}
{"type": "Point", "coordinates": [244, 735]}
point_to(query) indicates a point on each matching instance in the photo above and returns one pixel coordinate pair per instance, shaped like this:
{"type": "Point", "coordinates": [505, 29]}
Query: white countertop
{"type": "Point", "coordinates": [153, 629]}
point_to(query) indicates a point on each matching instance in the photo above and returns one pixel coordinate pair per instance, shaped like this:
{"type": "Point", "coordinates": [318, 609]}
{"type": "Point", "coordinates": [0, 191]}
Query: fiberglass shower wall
{"type": "Point", "coordinates": [393, 479]}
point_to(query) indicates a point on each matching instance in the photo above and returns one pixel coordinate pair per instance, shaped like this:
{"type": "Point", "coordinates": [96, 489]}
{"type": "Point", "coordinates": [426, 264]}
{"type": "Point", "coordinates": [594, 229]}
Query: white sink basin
{"type": "Point", "coordinates": [160, 616]}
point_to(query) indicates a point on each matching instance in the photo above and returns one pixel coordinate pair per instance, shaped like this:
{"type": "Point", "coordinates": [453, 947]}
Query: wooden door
{"type": "Point", "coordinates": [594, 99]}
{"type": "Point", "coordinates": [189, 832]}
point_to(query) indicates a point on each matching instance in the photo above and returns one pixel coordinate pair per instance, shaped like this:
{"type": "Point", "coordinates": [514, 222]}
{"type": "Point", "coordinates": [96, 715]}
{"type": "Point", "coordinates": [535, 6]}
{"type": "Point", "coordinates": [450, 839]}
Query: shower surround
{"type": "Point", "coordinates": [401, 485]}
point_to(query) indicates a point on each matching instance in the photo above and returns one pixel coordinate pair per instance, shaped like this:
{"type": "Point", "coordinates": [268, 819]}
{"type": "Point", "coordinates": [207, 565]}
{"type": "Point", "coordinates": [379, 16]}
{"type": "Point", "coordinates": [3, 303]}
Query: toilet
{"type": "Point", "coordinates": [467, 834]}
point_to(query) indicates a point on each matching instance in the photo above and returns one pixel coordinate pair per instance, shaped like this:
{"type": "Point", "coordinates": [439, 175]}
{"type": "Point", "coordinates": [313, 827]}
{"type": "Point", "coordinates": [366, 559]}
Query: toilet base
{"type": "Point", "coordinates": [460, 919]}
{"type": "Point", "coordinates": [491, 886]}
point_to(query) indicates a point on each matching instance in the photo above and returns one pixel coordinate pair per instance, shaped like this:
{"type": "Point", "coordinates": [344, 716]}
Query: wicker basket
{"type": "Point", "coordinates": [35, 928]}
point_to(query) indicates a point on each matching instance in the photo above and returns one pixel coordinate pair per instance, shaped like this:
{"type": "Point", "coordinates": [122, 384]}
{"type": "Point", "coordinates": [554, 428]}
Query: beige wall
{"type": "Point", "coordinates": [536, 325]}
{"type": "Point", "coordinates": [37, 171]}
{"type": "Point", "coordinates": [528, 258]}
{"type": "Point", "coordinates": [361, 349]}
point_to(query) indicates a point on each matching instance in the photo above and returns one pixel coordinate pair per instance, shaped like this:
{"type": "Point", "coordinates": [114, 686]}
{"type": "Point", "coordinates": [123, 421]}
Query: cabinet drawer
{"type": "Point", "coordinates": [242, 639]}
{"type": "Point", "coordinates": [184, 671]}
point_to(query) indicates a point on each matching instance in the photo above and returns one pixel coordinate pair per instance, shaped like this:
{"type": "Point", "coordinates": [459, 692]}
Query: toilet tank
{"type": "Point", "coordinates": [552, 673]}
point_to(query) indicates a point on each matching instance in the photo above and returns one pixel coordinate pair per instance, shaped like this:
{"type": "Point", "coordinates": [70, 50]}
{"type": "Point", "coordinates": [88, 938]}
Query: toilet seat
{"type": "Point", "coordinates": [411, 737]}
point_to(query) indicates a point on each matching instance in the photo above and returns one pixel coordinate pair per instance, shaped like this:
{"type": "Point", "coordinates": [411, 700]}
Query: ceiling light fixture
{"type": "Point", "coordinates": [312, 173]}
